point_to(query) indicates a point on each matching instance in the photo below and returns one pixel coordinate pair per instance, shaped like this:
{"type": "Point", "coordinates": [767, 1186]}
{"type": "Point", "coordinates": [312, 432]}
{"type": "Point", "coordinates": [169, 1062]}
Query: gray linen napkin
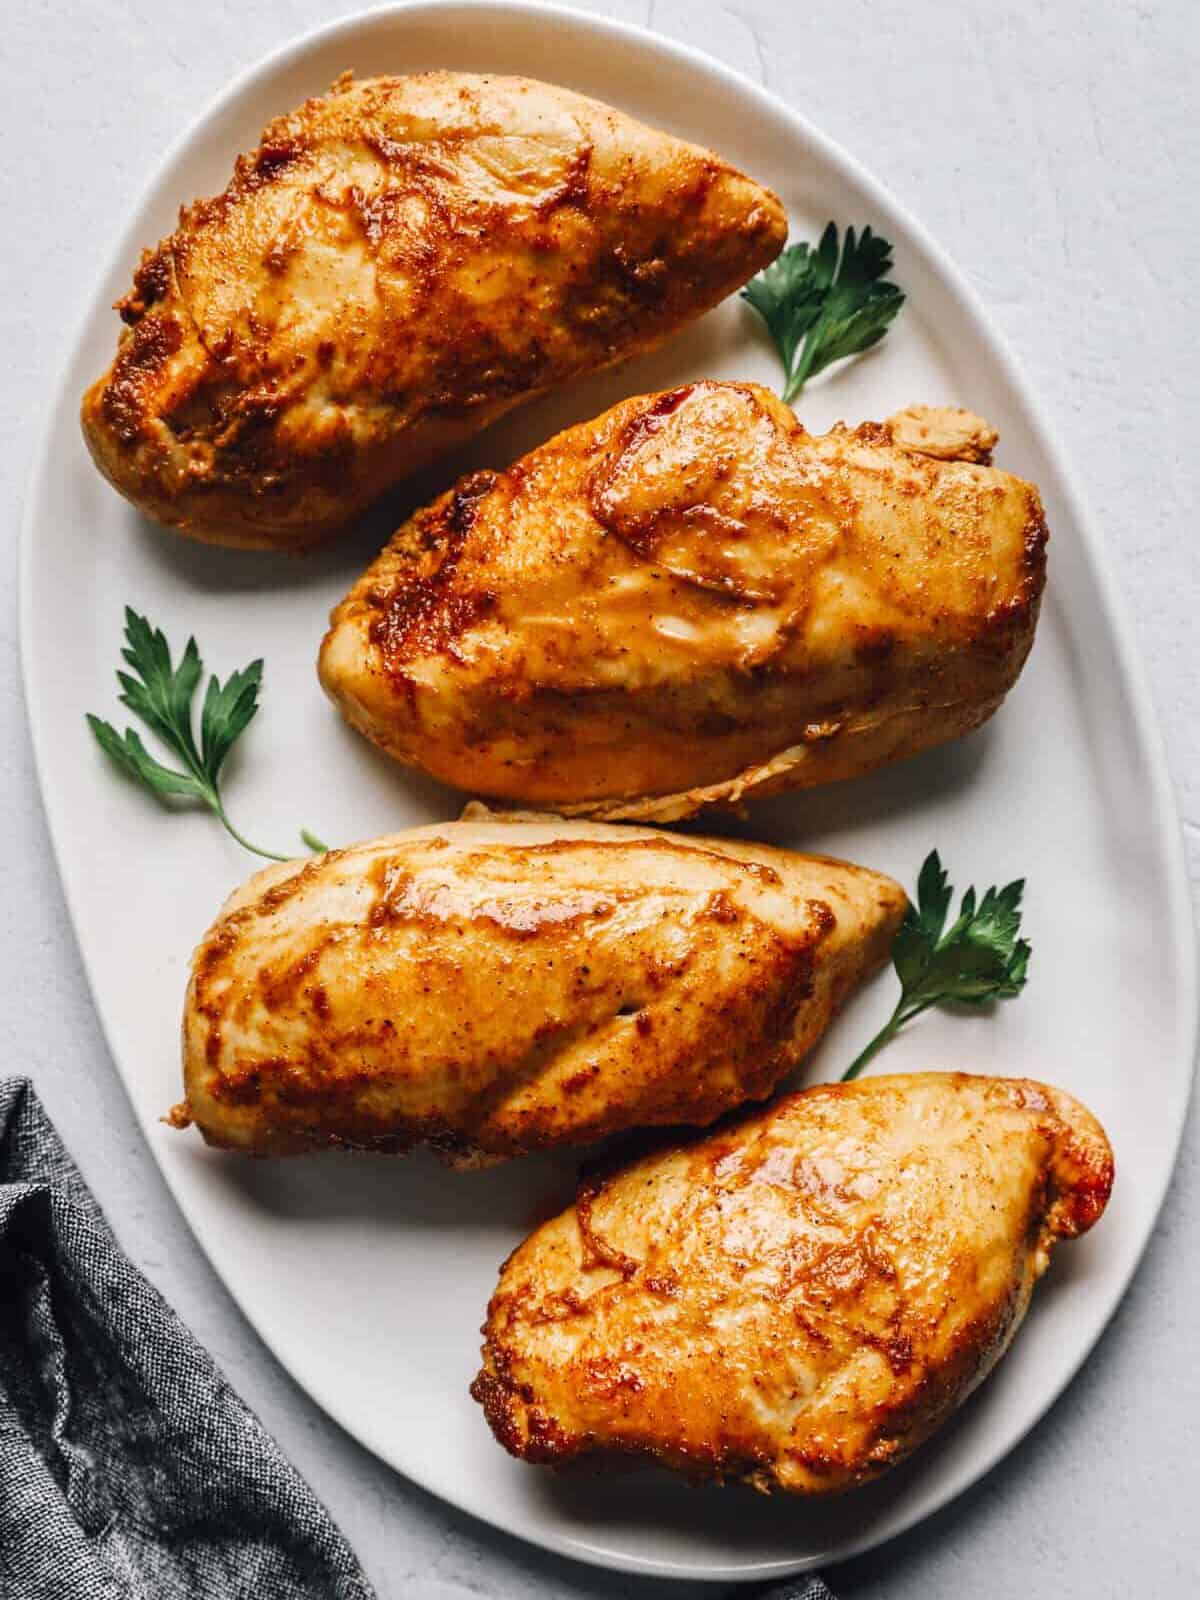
{"type": "Point", "coordinates": [129, 1469]}
{"type": "Point", "coordinates": [799, 1589]}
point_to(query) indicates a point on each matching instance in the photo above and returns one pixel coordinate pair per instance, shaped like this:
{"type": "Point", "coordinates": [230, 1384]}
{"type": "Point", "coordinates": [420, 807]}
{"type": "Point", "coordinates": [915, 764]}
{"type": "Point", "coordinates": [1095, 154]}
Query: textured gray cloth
{"type": "Point", "coordinates": [129, 1469]}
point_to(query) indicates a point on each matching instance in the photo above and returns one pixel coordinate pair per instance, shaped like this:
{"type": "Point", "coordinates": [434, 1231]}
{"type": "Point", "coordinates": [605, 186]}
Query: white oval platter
{"type": "Point", "coordinates": [368, 1277]}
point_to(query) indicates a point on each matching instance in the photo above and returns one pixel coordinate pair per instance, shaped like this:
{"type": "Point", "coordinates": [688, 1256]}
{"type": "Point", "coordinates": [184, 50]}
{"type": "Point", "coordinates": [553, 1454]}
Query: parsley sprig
{"type": "Point", "coordinates": [161, 693]}
{"type": "Point", "coordinates": [979, 958]}
{"type": "Point", "coordinates": [824, 304]}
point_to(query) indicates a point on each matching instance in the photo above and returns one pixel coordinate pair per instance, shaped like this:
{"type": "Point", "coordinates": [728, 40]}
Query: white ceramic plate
{"type": "Point", "coordinates": [367, 1277]}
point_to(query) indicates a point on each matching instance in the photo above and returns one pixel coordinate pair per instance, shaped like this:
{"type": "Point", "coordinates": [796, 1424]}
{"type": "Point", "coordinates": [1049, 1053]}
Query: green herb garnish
{"type": "Point", "coordinates": [161, 695]}
{"type": "Point", "coordinates": [977, 959]}
{"type": "Point", "coordinates": [820, 308]}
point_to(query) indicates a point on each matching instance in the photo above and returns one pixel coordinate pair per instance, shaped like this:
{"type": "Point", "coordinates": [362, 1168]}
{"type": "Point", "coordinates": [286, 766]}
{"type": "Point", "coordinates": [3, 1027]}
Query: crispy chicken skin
{"type": "Point", "coordinates": [691, 600]}
{"type": "Point", "coordinates": [799, 1300]}
{"type": "Point", "coordinates": [396, 265]}
{"type": "Point", "coordinates": [496, 986]}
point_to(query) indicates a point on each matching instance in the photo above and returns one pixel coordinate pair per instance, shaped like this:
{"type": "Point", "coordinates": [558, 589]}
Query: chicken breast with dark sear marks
{"type": "Point", "coordinates": [497, 986]}
{"type": "Point", "coordinates": [691, 601]}
{"type": "Point", "coordinates": [798, 1300]}
{"type": "Point", "coordinates": [397, 264]}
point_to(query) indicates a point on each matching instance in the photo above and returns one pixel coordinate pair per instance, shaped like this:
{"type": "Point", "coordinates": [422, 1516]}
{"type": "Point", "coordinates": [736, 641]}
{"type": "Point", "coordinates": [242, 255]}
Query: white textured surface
{"type": "Point", "coordinates": [1054, 152]}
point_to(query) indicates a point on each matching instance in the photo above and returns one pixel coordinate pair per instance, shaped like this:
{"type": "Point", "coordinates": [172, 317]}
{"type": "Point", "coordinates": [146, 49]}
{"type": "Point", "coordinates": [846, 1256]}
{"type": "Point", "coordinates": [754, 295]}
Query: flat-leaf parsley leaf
{"type": "Point", "coordinates": [161, 694]}
{"type": "Point", "coordinates": [979, 958]}
{"type": "Point", "coordinates": [824, 304]}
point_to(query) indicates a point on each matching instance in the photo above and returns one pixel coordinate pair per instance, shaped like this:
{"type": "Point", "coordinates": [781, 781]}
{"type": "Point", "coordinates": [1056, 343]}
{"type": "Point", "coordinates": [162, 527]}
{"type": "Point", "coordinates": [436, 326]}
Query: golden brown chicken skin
{"type": "Point", "coordinates": [690, 601]}
{"type": "Point", "coordinates": [496, 986]}
{"type": "Point", "coordinates": [397, 264]}
{"type": "Point", "coordinates": [797, 1301]}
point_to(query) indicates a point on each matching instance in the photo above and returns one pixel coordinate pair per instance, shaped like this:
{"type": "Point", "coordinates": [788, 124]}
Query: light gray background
{"type": "Point", "coordinates": [1053, 149]}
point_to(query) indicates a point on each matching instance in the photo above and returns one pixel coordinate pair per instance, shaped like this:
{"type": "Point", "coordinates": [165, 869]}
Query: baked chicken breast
{"type": "Point", "coordinates": [690, 601]}
{"type": "Point", "coordinates": [397, 264]}
{"type": "Point", "coordinates": [797, 1301]}
{"type": "Point", "coordinates": [496, 986]}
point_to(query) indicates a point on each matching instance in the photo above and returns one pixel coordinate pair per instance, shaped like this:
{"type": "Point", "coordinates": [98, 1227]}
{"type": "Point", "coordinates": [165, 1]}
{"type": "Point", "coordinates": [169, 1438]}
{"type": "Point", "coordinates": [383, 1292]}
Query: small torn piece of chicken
{"type": "Point", "coordinates": [396, 265]}
{"type": "Point", "coordinates": [690, 601]}
{"type": "Point", "coordinates": [499, 985]}
{"type": "Point", "coordinates": [797, 1301]}
{"type": "Point", "coordinates": [947, 433]}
